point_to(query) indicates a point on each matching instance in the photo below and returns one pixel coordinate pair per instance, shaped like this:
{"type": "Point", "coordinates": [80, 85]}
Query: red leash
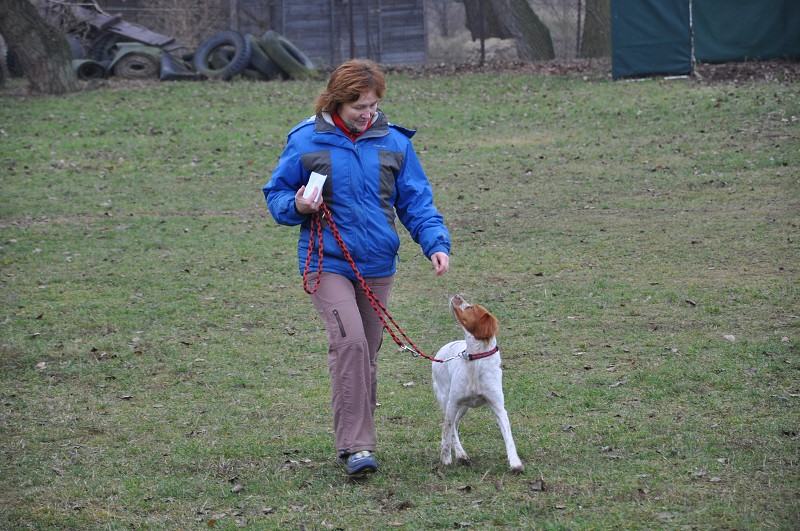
{"type": "Point", "coordinates": [315, 238]}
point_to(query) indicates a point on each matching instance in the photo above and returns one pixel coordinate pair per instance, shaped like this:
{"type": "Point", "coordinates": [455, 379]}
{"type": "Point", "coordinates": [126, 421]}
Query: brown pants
{"type": "Point", "coordinates": [355, 334]}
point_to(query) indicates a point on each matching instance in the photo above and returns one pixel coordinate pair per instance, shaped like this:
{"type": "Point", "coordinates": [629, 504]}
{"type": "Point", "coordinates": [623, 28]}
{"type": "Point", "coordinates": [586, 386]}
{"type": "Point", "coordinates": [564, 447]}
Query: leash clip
{"type": "Point", "coordinates": [406, 347]}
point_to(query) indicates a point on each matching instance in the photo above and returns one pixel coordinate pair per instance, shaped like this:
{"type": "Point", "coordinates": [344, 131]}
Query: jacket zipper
{"type": "Point", "coordinates": [339, 320]}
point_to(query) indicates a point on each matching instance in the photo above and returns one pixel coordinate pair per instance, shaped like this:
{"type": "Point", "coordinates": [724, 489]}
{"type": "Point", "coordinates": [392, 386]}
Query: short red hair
{"type": "Point", "coordinates": [348, 82]}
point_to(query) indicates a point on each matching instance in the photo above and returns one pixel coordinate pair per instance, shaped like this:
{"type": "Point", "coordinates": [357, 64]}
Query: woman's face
{"type": "Point", "coordinates": [358, 114]}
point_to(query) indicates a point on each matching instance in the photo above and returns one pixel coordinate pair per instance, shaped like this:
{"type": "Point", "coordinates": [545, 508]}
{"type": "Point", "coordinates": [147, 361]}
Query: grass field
{"type": "Point", "coordinates": [161, 367]}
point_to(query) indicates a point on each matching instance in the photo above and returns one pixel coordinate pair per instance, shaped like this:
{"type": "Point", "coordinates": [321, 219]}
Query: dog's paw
{"type": "Point", "coordinates": [446, 459]}
{"type": "Point", "coordinates": [518, 469]}
{"type": "Point", "coordinates": [464, 461]}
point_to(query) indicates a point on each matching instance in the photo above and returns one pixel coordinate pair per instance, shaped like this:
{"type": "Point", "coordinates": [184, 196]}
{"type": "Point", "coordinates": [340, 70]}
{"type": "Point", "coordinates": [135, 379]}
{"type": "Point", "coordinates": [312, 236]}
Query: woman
{"type": "Point", "coordinates": [373, 178]}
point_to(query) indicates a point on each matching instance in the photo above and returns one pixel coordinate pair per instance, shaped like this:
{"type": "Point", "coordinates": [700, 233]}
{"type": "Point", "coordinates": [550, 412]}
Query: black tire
{"type": "Point", "coordinates": [287, 56]}
{"type": "Point", "coordinates": [87, 69]}
{"type": "Point", "coordinates": [228, 39]}
{"type": "Point", "coordinates": [140, 62]}
{"type": "Point", "coordinates": [260, 60]}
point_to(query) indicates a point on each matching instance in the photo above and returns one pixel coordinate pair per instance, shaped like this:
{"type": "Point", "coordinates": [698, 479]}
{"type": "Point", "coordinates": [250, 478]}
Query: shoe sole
{"type": "Point", "coordinates": [364, 471]}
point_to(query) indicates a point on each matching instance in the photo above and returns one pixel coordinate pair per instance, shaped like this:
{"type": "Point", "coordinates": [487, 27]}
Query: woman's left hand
{"type": "Point", "coordinates": [441, 263]}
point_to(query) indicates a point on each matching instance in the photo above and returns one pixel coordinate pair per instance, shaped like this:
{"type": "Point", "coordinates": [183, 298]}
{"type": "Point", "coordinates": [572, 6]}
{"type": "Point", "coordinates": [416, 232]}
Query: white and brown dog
{"type": "Point", "coordinates": [472, 377]}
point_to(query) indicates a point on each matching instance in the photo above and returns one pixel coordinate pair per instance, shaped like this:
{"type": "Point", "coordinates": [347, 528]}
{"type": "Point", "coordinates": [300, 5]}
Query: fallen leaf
{"type": "Point", "coordinates": [237, 488]}
{"type": "Point", "coordinates": [729, 337]}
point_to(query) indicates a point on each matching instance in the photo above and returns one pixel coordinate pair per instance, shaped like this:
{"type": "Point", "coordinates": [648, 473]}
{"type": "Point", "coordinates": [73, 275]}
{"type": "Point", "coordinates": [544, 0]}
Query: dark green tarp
{"type": "Point", "coordinates": [742, 30]}
{"type": "Point", "coordinates": [650, 37]}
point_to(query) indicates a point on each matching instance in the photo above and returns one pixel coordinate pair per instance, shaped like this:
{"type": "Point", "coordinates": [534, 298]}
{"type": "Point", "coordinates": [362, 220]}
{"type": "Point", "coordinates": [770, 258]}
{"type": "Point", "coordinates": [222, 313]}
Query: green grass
{"type": "Point", "coordinates": [157, 348]}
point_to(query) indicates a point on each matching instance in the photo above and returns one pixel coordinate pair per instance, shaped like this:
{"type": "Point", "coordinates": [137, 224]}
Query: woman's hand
{"type": "Point", "coordinates": [441, 263]}
{"type": "Point", "coordinates": [307, 206]}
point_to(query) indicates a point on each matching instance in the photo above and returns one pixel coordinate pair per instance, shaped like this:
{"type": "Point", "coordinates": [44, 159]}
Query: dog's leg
{"type": "Point", "coordinates": [448, 426]}
{"type": "Point", "coordinates": [461, 454]}
{"type": "Point", "coordinates": [505, 429]}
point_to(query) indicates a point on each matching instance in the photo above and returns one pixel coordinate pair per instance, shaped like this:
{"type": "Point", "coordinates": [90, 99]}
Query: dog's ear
{"type": "Point", "coordinates": [486, 326]}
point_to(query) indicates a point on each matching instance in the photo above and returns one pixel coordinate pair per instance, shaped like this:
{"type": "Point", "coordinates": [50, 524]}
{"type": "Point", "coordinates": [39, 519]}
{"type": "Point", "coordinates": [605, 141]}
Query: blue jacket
{"type": "Point", "coordinates": [370, 184]}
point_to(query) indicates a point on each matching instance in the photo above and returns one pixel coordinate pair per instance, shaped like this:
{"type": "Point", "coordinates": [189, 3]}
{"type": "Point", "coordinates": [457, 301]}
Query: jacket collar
{"type": "Point", "coordinates": [378, 127]}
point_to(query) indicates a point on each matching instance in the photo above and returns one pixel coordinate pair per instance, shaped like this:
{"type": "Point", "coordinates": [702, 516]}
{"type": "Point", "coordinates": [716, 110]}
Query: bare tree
{"type": "Point", "coordinates": [444, 15]}
{"type": "Point", "coordinates": [193, 21]}
{"type": "Point", "coordinates": [44, 54]}
{"type": "Point", "coordinates": [511, 19]}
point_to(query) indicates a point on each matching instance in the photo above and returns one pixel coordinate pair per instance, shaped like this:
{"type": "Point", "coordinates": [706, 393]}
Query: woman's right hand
{"type": "Point", "coordinates": [307, 206]}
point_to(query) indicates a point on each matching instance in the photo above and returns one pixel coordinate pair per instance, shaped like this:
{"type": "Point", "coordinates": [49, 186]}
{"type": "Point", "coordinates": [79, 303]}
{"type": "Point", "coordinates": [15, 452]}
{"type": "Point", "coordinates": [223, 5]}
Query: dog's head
{"type": "Point", "coordinates": [476, 320]}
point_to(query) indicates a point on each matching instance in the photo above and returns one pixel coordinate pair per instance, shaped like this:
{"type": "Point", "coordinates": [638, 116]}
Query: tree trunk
{"type": "Point", "coordinates": [507, 19]}
{"type": "Point", "coordinates": [44, 54]}
{"type": "Point", "coordinates": [596, 41]}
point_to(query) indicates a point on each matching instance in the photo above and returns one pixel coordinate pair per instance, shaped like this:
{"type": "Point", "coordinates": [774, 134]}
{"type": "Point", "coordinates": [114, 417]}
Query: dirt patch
{"type": "Point", "coordinates": [779, 71]}
{"type": "Point", "coordinates": [586, 68]}
{"type": "Point", "coordinates": [769, 71]}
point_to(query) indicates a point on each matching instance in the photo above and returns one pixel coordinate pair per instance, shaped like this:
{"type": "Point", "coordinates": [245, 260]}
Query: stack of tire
{"type": "Point", "coordinates": [229, 53]}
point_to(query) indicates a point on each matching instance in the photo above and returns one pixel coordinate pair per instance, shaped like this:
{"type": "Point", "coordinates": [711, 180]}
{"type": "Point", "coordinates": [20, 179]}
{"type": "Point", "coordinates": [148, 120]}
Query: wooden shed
{"type": "Point", "coordinates": [327, 31]}
{"type": "Point", "coordinates": [332, 31]}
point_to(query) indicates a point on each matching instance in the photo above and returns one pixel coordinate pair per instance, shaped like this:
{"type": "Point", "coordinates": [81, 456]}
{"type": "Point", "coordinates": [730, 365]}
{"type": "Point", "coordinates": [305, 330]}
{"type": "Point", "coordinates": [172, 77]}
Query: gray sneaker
{"type": "Point", "coordinates": [359, 463]}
